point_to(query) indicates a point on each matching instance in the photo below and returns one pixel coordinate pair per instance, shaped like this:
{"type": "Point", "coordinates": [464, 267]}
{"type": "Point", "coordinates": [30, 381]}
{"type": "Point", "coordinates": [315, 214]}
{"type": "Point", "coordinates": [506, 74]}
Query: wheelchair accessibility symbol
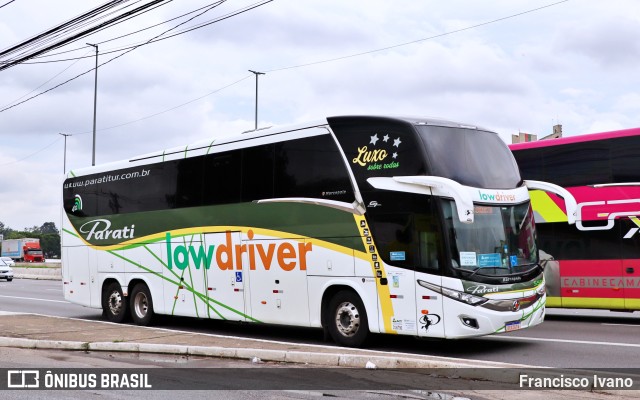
{"type": "Point", "coordinates": [238, 276]}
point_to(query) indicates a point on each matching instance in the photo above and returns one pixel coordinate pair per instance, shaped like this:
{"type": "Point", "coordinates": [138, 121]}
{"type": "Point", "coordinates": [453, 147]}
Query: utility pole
{"type": "Point", "coordinates": [64, 166]}
{"type": "Point", "coordinates": [256, 73]}
{"type": "Point", "coordinates": [95, 102]}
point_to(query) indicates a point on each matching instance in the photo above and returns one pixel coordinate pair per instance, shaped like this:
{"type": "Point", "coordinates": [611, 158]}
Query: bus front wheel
{"type": "Point", "coordinates": [141, 305]}
{"type": "Point", "coordinates": [347, 319]}
{"type": "Point", "coordinates": [114, 304]}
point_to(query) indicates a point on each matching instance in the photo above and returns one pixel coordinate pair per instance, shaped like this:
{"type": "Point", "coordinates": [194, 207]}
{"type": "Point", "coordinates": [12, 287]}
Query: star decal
{"type": "Point", "coordinates": [374, 139]}
{"type": "Point", "coordinates": [395, 155]}
{"type": "Point", "coordinates": [397, 142]}
{"type": "Point", "coordinates": [385, 138]}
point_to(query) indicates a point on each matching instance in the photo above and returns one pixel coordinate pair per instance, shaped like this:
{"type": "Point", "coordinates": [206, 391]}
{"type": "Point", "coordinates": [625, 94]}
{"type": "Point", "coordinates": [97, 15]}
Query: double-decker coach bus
{"type": "Point", "coordinates": [354, 224]}
{"type": "Point", "coordinates": [596, 262]}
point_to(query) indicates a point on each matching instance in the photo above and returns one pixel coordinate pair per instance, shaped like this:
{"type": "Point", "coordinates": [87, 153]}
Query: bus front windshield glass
{"type": "Point", "coordinates": [501, 240]}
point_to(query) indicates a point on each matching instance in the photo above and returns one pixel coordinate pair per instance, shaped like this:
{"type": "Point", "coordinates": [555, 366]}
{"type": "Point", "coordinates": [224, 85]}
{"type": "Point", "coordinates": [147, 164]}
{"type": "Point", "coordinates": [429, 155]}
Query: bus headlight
{"type": "Point", "coordinates": [454, 294]}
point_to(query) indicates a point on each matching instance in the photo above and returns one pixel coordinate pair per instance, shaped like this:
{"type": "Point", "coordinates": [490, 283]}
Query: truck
{"type": "Point", "coordinates": [25, 249]}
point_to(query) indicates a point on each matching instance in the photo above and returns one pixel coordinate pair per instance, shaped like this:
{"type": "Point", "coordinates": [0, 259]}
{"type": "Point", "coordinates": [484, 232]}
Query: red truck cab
{"type": "Point", "coordinates": [32, 252]}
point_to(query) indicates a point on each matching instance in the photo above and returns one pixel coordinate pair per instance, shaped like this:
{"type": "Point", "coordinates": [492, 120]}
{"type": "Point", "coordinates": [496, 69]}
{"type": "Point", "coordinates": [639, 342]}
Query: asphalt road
{"type": "Point", "coordinates": [192, 369]}
{"type": "Point", "coordinates": [567, 338]}
{"type": "Point", "coordinates": [183, 371]}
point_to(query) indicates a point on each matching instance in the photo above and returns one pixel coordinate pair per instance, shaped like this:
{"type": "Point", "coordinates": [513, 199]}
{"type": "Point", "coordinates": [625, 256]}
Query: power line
{"type": "Point", "coordinates": [60, 28]}
{"type": "Point", "coordinates": [169, 109]}
{"type": "Point", "coordinates": [66, 40]}
{"type": "Point", "coordinates": [122, 36]}
{"type": "Point", "coordinates": [49, 80]}
{"type": "Point", "coordinates": [237, 12]}
{"type": "Point", "coordinates": [201, 25]}
{"type": "Point", "coordinates": [417, 40]}
{"type": "Point", "coordinates": [32, 154]}
{"type": "Point", "coordinates": [131, 122]}
{"type": "Point", "coordinates": [336, 59]}
{"type": "Point", "coordinates": [7, 3]}
{"type": "Point", "coordinates": [304, 65]}
{"type": "Point", "coordinates": [128, 51]}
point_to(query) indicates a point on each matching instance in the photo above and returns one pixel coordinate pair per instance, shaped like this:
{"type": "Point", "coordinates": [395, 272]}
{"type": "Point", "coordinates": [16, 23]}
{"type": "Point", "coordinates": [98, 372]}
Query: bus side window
{"type": "Point", "coordinates": [311, 167]}
{"type": "Point", "coordinates": [222, 179]}
{"type": "Point", "coordinates": [257, 172]}
{"type": "Point", "coordinates": [407, 239]}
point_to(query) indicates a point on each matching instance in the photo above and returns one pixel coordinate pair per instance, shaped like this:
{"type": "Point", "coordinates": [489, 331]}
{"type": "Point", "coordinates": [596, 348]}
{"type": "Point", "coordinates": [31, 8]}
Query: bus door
{"type": "Point", "coordinates": [225, 288]}
{"type": "Point", "coordinates": [77, 277]}
{"type": "Point", "coordinates": [408, 239]}
{"type": "Point", "coordinates": [185, 289]}
{"type": "Point", "coordinates": [631, 280]}
{"type": "Point", "coordinates": [429, 304]}
{"type": "Point", "coordinates": [403, 300]}
{"type": "Point", "coordinates": [630, 234]}
{"type": "Point", "coordinates": [277, 279]}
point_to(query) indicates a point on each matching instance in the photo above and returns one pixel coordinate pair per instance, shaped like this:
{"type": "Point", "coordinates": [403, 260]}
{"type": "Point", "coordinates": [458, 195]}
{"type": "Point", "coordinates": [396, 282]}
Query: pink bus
{"type": "Point", "coordinates": [596, 262]}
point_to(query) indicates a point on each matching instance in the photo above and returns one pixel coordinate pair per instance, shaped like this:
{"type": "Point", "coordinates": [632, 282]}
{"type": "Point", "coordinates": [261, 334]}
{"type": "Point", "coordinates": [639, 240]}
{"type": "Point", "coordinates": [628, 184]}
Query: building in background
{"type": "Point", "coordinates": [522, 137]}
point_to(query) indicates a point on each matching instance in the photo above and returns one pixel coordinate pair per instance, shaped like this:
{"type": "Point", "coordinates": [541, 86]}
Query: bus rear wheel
{"type": "Point", "coordinates": [114, 304]}
{"type": "Point", "coordinates": [347, 319]}
{"type": "Point", "coordinates": [141, 305]}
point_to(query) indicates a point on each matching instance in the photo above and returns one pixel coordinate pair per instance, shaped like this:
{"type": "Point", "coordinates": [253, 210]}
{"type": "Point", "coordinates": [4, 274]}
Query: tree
{"type": "Point", "coordinates": [5, 230]}
{"type": "Point", "coordinates": [50, 245]}
{"type": "Point", "coordinates": [47, 233]}
{"type": "Point", "coordinates": [48, 227]}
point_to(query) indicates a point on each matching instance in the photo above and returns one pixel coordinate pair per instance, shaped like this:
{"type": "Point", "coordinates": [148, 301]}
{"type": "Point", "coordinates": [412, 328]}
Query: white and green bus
{"type": "Point", "coordinates": [354, 224]}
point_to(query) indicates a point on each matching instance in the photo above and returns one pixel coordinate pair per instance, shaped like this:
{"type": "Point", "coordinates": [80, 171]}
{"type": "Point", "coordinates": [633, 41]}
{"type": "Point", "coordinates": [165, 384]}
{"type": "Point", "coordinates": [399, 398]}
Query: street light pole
{"type": "Point", "coordinates": [256, 73]}
{"type": "Point", "coordinates": [95, 101]}
{"type": "Point", "coordinates": [64, 166]}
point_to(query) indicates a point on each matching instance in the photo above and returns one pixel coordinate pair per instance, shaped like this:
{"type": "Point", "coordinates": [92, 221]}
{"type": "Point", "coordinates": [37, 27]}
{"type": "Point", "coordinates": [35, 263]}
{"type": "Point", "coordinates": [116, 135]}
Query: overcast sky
{"type": "Point", "coordinates": [574, 63]}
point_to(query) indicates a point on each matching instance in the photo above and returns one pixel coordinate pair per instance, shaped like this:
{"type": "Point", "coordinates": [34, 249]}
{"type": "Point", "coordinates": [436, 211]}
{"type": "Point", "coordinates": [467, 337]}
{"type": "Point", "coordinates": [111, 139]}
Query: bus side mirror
{"type": "Point", "coordinates": [569, 201]}
{"type": "Point", "coordinates": [430, 186]}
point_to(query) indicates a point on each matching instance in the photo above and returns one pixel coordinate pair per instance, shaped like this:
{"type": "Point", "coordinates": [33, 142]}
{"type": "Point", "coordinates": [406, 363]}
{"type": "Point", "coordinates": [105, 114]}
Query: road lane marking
{"type": "Point", "coordinates": [524, 338]}
{"type": "Point", "coordinates": [634, 325]}
{"type": "Point", "coordinates": [32, 298]}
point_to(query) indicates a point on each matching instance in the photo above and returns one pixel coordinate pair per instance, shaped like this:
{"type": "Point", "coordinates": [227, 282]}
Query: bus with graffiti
{"type": "Point", "coordinates": [594, 263]}
{"type": "Point", "coordinates": [354, 224]}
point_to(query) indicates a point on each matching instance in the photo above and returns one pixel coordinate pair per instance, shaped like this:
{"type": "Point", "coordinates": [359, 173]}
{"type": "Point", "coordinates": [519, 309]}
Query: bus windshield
{"type": "Point", "coordinates": [470, 157]}
{"type": "Point", "coordinates": [500, 242]}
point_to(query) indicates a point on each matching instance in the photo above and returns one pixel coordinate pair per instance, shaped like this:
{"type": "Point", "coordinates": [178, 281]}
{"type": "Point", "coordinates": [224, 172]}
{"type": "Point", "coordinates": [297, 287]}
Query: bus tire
{"type": "Point", "coordinates": [347, 319]}
{"type": "Point", "coordinates": [114, 303]}
{"type": "Point", "coordinates": [141, 305]}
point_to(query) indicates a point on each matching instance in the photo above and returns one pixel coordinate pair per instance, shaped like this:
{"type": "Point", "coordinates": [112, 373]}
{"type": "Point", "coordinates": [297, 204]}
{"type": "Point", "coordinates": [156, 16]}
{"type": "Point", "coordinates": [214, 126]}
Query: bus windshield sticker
{"type": "Point", "coordinates": [468, 258]}
{"type": "Point", "coordinates": [514, 261]}
{"type": "Point", "coordinates": [397, 256]}
{"type": "Point", "coordinates": [489, 260]}
{"type": "Point", "coordinates": [483, 210]}
{"type": "Point", "coordinates": [383, 155]}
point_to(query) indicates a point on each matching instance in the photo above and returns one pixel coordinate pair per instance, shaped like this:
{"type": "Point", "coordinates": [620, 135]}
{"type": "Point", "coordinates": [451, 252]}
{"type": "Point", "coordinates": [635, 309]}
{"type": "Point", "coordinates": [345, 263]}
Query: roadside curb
{"type": "Point", "coordinates": [486, 371]}
{"type": "Point", "coordinates": [290, 356]}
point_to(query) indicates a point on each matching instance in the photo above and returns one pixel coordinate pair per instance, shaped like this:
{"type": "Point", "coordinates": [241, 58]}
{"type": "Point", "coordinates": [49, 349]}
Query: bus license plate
{"type": "Point", "coordinates": [512, 326]}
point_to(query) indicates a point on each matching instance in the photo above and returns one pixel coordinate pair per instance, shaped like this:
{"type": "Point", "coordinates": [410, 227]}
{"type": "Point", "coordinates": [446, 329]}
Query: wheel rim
{"type": "Point", "coordinates": [347, 319]}
{"type": "Point", "coordinates": [140, 304]}
{"type": "Point", "coordinates": [115, 302]}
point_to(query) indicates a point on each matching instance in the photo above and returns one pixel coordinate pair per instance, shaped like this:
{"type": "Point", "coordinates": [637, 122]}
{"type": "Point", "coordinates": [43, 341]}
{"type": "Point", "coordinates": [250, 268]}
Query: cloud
{"type": "Point", "coordinates": [567, 63]}
{"type": "Point", "coordinates": [610, 43]}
